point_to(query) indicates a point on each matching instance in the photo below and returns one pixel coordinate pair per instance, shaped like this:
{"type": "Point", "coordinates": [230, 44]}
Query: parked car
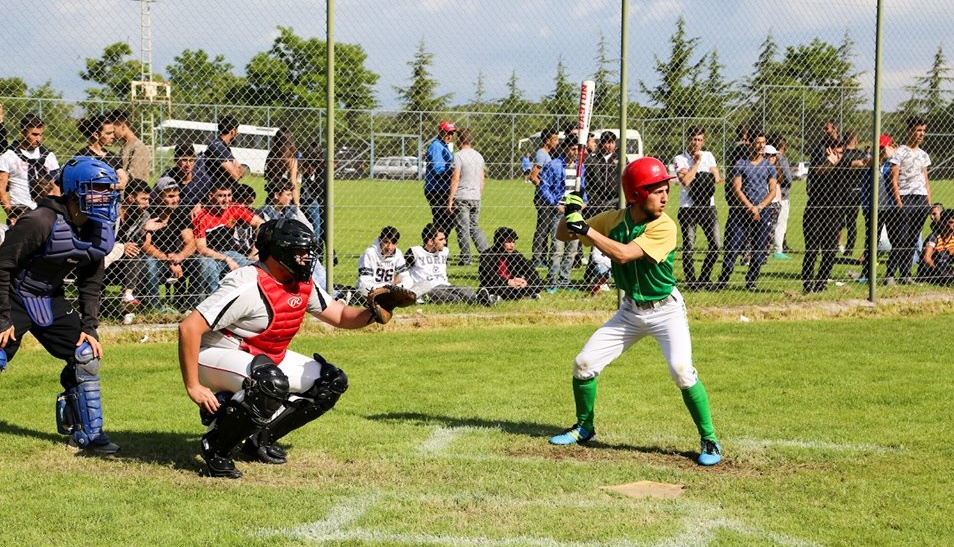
{"type": "Point", "coordinates": [396, 167]}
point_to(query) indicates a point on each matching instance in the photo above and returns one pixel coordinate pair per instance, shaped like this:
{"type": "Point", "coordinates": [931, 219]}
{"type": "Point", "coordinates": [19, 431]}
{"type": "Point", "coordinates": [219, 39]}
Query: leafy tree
{"type": "Point", "coordinates": [929, 93]}
{"type": "Point", "coordinates": [766, 66]}
{"type": "Point", "coordinates": [678, 92]}
{"type": "Point", "coordinates": [197, 78]}
{"type": "Point", "coordinates": [606, 78]}
{"type": "Point", "coordinates": [514, 102]}
{"type": "Point", "coordinates": [113, 72]}
{"type": "Point", "coordinates": [716, 93]}
{"type": "Point", "coordinates": [293, 72]}
{"type": "Point", "coordinates": [12, 87]}
{"type": "Point", "coordinates": [565, 99]}
{"type": "Point", "coordinates": [421, 94]}
{"type": "Point", "coordinates": [480, 91]}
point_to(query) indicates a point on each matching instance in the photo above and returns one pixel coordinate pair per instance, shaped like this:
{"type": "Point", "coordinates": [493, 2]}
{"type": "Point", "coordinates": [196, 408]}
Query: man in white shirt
{"type": "Point", "coordinates": [27, 168]}
{"type": "Point", "coordinates": [382, 263]}
{"type": "Point", "coordinates": [427, 270]}
{"type": "Point", "coordinates": [698, 174]}
{"type": "Point", "coordinates": [911, 190]}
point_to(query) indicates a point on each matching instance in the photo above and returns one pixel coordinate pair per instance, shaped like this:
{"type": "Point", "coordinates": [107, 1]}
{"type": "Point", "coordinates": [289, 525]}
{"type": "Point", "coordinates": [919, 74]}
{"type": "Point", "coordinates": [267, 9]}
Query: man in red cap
{"type": "Point", "coordinates": [439, 167]}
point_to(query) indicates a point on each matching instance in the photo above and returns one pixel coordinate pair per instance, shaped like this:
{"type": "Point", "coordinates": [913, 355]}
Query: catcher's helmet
{"type": "Point", "coordinates": [291, 243]}
{"type": "Point", "coordinates": [641, 174]}
{"type": "Point", "coordinates": [95, 184]}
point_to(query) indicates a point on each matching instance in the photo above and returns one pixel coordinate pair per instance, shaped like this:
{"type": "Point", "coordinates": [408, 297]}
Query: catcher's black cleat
{"type": "Point", "coordinates": [265, 453]}
{"type": "Point", "coordinates": [220, 466]}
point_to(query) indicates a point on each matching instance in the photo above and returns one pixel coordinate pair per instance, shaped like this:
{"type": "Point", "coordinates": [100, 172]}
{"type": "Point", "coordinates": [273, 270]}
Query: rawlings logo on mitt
{"type": "Point", "coordinates": [383, 300]}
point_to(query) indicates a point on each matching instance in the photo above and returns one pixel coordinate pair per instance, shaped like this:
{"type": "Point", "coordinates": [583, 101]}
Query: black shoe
{"type": "Point", "coordinates": [266, 453]}
{"type": "Point", "coordinates": [220, 466]}
{"type": "Point", "coordinates": [101, 446]}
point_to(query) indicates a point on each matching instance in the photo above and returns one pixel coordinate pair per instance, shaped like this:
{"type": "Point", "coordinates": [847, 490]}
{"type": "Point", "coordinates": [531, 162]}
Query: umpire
{"type": "Point", "coordinates": [72, 231]}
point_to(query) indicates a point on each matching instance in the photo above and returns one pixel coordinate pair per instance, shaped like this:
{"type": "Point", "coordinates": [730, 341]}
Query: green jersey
{"type": "Point", "coordinates": [651, 277]}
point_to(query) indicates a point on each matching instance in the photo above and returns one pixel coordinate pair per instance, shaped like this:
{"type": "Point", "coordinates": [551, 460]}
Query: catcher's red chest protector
{"type": "Point", "coordinates": [287, 304]}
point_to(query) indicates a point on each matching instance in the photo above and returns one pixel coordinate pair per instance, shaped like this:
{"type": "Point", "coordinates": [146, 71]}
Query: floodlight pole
{"type": "Point", "coordinates": [874, 233]}
{"type": "Point", "coordinates": [330, 148]}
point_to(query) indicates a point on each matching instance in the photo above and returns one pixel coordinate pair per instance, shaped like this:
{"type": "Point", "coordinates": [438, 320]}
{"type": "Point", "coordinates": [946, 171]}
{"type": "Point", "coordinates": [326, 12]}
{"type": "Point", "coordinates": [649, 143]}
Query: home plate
{"type": "Point", "coordinates": [648, 489]}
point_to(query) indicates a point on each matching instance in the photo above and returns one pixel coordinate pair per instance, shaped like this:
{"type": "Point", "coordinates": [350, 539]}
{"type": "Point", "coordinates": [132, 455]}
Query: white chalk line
{"type": "Point", "coordinates": [698, 529]}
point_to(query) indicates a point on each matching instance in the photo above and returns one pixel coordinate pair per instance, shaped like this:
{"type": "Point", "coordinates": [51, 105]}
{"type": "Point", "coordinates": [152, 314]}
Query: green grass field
{"type": "Point", "coordinates": [835, 432]}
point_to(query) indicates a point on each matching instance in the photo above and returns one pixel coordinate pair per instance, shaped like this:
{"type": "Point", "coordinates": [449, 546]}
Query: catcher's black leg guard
{"type": "Point", "coordinates": [264, 392]}
{"type": "Point", "coordinates": [320, 398]}
{"type": "Point", "coordinates": [79, 410]}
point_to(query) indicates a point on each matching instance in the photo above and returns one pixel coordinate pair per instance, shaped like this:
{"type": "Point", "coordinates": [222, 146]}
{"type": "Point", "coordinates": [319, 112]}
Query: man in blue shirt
{"type": "Point", "coordinates": [753, 185]}
{"type": "Point", "coordinates": [438, 169]}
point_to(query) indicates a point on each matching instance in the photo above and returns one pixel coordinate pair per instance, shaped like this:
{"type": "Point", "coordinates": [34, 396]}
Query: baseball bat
{"type": "Point", "coordinates": [587, 91]}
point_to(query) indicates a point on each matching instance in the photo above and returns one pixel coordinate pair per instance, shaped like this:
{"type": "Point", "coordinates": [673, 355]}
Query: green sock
{"type": "Point", "coordinates": [697, 401]}
{"type": "Point", "coordinates": [584, 394]}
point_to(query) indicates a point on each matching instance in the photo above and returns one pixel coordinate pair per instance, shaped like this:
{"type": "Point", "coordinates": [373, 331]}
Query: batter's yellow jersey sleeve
{"type": "Point", "coordinates": [659, 238]}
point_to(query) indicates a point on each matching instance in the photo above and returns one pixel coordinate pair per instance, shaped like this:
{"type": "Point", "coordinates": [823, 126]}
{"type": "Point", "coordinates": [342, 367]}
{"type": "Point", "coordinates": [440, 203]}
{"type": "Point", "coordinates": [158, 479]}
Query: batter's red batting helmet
{"type": "Point", "coordinates": [641, 174]}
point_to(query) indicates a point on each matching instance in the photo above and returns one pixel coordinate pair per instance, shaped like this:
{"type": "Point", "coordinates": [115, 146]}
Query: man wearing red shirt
{"type": "Point", "coordinates": [213, 227]}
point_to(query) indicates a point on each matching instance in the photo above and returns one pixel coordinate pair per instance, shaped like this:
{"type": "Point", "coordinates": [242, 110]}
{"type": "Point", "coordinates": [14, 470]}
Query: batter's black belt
{"type": "Point", "coordinates": [653, 304]}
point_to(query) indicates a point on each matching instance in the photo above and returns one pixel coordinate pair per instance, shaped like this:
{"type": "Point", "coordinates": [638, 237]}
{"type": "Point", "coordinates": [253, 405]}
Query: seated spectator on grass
{"type": "Point", "coordinates": [279, 204]}
{"type": "Point", "coordinates": [427, 270]}
{"type": "Point", "coordinates": [130, 235]}
{"type": "Point", "coordinates": [169, 250]}
{"type": "Point", "coordinates": [382, 263]}
{"type": "Point", "coordinates": [505, 272]}
{"type": "Point", "coordinates": [937, 266]}
{"type": "Point", "coordinates": [244, 234]}
{"type": "Point", "coordinates": [214, 228]}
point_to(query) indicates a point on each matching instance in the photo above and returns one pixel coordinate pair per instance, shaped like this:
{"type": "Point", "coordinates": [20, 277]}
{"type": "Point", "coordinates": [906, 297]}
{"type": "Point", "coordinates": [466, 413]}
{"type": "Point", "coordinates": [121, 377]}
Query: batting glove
{"type": "Point", "coordinates": [573, 203]}
{"type": "Point", "coordinates": [575, 224]}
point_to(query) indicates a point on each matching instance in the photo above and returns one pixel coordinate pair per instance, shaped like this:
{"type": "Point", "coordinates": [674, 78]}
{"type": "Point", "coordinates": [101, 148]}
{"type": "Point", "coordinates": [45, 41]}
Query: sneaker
{"type": "Point", "coordinates": [552, 290]}
{"type": "Point", "coordinates": [710, 453]}
{"type": "Point", "coordinates": [781, 256]}
{"type": "Point", "coordinates": [906, 280]}
{"type": "Point", "coordinates": [889, 281]}
{"type": "Point", "coordinates": [220, 466]}
{"type": "Point", "coordinates": [574, 435]}
{"type": "Point", "coordinates": [100, 446]}
{"type": "Point", "coordinates": [485, 298]}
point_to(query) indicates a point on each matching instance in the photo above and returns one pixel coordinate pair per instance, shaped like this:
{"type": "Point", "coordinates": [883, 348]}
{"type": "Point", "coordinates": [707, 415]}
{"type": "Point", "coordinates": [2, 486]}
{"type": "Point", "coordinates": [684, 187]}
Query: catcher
{"type": "Point", "coordinates": [251, 391]}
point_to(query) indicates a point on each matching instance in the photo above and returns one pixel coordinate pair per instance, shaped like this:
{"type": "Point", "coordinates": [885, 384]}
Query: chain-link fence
{"type": "Point", "coordinates": [735, 81]}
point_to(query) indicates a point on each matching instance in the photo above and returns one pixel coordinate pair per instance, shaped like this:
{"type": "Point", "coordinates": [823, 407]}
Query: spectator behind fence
{"type": "Point", "coordinates": [27, 168]}
{"type": "Point", "coordinates": [170, 251]}
{"type": "Point", "coordinates": [314, 171]}
{"type": "Point", "coordinates": [382, 263]}
{"type": "Point", "coordinates": [885, 200]}
{"type": "Point", "coordinates": [850, 171]}
{"type": "Point", "coordinates": [216, 165]}
{"type": "Point", "coordinates": [243, 234]}
{"type": "Point", "coordinates": [181, 173]}
{"type": "Point", "coordinates": [698, 174]}
{"type": "Point", "coordinates": [549, 140]}
{"type": "Point", "coordinates": [784, 175]}
{"type": "Point", "coordinates": [136, 158]}
{"type": "Point", "coordinates": [281, 165]}
{"type": "Point", "coordinates": [427, 272]}
{"type": "Point", "coordinates": [463, 200]}
{"type": "Point", "coordinates": [820, 223]}
{"type": "Point", "coordinates": [526, 164]}
{"type": "Point", "coordinates": [754, 185]}
{"type": "Point", "coordinates": [937, 262]}
{"type": "Point", "coordinates": [213, 227]}
{"type": "Point", "coordinates": [553, 186]}
{"type": "Point", "coordinates": [130, 234]}
{"type": "Point", "coordinates": [438, 169]}
{"type": "Point", "coordinates": [602, 176]}
{"type": "Point", "coordinates": [911, 190]}
{"type": "Point", "coordinates": [279, 203]}
{"type": "Point", "coordinates": [506, 273]}
{"type": "Point", "coordinates": [99, 132]}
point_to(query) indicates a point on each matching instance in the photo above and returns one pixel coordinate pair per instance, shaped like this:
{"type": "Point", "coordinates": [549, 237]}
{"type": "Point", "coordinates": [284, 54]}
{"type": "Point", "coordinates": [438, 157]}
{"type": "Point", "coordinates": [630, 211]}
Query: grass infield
{"type": "Point", "coordinates": [835, 432]}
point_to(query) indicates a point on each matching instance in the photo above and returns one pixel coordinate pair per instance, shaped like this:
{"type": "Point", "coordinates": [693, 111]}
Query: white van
{"type": "Point", "coordinates": [250, 147]}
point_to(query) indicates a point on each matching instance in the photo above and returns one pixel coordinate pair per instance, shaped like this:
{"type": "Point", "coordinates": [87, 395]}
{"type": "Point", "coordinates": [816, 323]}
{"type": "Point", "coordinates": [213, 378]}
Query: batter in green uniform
{"type": "Point", "coordinates": [641, 242]}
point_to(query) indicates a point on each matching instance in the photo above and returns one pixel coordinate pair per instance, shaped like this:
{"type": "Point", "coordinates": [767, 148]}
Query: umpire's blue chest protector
{"type": "Point", "coordinates": [68, 247]}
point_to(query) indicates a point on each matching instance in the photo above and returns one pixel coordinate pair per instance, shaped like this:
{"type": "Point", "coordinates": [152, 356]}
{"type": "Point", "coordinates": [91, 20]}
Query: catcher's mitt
{"type": "Point", "coordinates": [383, 300]}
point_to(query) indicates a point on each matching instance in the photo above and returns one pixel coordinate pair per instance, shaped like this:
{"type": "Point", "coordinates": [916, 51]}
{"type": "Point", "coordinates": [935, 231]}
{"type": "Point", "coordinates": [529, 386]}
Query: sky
{"type": "Point", "coordinates": [495, 38]}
